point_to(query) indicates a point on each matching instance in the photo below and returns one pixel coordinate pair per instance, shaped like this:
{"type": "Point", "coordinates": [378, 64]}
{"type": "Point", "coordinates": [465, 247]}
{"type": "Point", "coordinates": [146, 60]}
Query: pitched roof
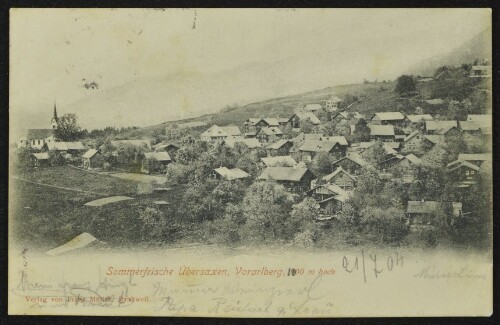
{"type": "Point", "coordinates": [393, 145]}
{"type": "Point", "coordinates": [337, 171]}
{"type": "Point", "coordinates": [440, 125]}
{"type": "Point", "coordinates": [231, 174]}
{"type": "Point", "coordinates": [270, 131]}
{"type": "Point", "coordinates": [482, 119]}
{"type": "Point", "coordinates": [337, 139]}
{"type": "Point", "coordinates": [344, 115]}
{"type": "Point", "coordinates": [411, 157]}
{"type": "Point", "coordinates": [161, 146]}
{"type": "Point", "coordinates": [307, 116]}
{"type": "Point", "coordinates": [158, 155]}
{"type": "Point", "coordinates": [354, 157]}
{"type": "Point", "coordinates": [308, 136]}
{"type": "Point", "coordinates": [389, 116]}
{"type": "Point", "coordinates": [461, 163]}
{"type": "Point", "coordinates": [39, 134]}
{"type": "Point", "coordinates": [312, 107]}
{"type": "Point", "coordinates": [283, 120]}
{"type": "Point", "coordinates": [469, 126]}
{"type": "Point", "coordinates": [277, 145]}
{"type": "Point", "coordinates": [317, 146]}
{"type": "Point", "coordinates": [232, 130]}
{"type": "Point", "coordinates": [424, 207]}
{"type": "Point", "coordinates": [357, 115]}
{"type": "Point", "coordinates": [475, 156]}
{"type": "Point", "coordinates": [334, 99]}
{"type": "Point", "coordinates": [415, 118]}
{"type": "Point", "coordinates": [251, 143]}
{"type": "Point", "coordinates": [41, 155]}
{"type": "Point", "coordinates": [90, 153]}
{"type": "Point", "coordinates": [293, 174]}
{"type": "Point", "coordinates": [253, 120]}
{"type": "Point", "coordinates": [435, 138]}
{"type": "Point", "coordinates": [279, 160]}
{"type": "Point", "coordinates": [382, 130]}
{"type": "Point", "coordinates": [271, 121]}
{"type": "Point", "coordinates": [214, 131]}
{"type": "Point", "coordinates": [63, 146]}
{"type": "Point", "coordinates": [341, 194]}
{"type": "Point", "coordinates": [411, 135]}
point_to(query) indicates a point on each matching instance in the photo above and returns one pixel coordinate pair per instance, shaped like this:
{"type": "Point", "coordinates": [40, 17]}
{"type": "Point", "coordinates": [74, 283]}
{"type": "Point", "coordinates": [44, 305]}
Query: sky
{"type": "Point", "coordinates": [55, 52]}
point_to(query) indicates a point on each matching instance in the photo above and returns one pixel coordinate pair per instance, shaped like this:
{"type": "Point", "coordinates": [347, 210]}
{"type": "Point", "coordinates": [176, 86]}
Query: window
{"type": "Point", "coordinates": [472, 172]}
{"type": "Point", "coordinates": [467, 173]}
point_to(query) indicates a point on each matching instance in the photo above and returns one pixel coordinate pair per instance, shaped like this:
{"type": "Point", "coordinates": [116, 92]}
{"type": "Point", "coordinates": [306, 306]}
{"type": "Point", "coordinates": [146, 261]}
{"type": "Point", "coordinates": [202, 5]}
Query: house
{"type": "Point", "coordinates": [217, 134]}
{"type": "Point", "coordinates": [341, 178]}
{"type": "Point", "coordinates": [299, 139]}
{"type": "Point", "coordinates": [294, 179]}
{"type": "Point", "coordinates": [330, 198]}
{"type": "Point", "coordinates": [440, 127]}
{"type": "Point", "coordinates": [159, 159]}
{"type": "Point", "coordinates": [267, 122]}
{"type": "Point", "coordinates": [387, 118]}
{"type": "Point", "coordinates": [135, 143]}
{"type": "Point", "coordinates": [39, 159]}
{"type": "Point", "coordinates": [483, 120]}
{"type": "Point", "coordinates": [228, 174]}
{"type": "Point", "coordinates": [278, 161]}
{"type": "Point", "coordinates": [366, 149]}
{"type": "Point", "coordinates": [340, 116]}
{"type": "Point", "coordinates": [382, 132]}
{"type": "Point", "coordinates": [480, 71]}
{"type": "Point", "coordinates": [269, 134]}
{"type": "Point", "coordinates": [296, 119]}
{"type": "Point", "coordinates": [422, 213]}
{"type": "Point", "coordinates": [282, 121]}
{"type": "Point", "coordinates": [171, 148]}
{"type": "Point", "coordinates": [464, 172]}
{"type": "Point", "coordinates": [353, 163]}
{"type": "Point", "coordinates": [310, 148]}
{"type": "Point", "coordinates": [91, 159]}
{"type": "Point", "coordinates": [66, 147]}
{"type": "Point", "coordinates": [470, 127]}
{"type": "Point", "coordinates": [416, 118]}
{"type": "Point", "coordinates": [416, 143]}
{"type": "Point", "coordinates": [279, 148]}
{"type": "Point", "coordinates": [312, 108]}
{"type": "Point", "coordinates": [435, 102]}
{"type": "Point", "coordinates": [332, 104]}
{"type": "Point", "coordinates": [403, 167]}
{"type": "Point", "coordinates": [250, 125]}
{"type": "Point", "coordinates": [251, 143]}
{"type": "Point", "coordinates": [37, 138]}
{"type": "Point", "coordinates": [475, 158]}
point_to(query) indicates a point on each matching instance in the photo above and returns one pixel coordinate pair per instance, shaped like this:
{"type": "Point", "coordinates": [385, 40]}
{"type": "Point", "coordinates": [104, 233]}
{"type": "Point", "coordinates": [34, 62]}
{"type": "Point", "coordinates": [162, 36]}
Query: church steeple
{"type": "Point", "coordinates": [55, 119]}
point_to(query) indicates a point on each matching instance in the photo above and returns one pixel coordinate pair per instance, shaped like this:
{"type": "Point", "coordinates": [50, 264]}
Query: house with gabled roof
{"type": "Point", "coordinates": [340, 116]}
{"type": "Point", "coordinates": [332, 104]}
{"type": "Point", "coordinates": [300, 117]}
{"type": "Point", "coordinates": [269, 134]}
{"type": "Point", "coordinates": [484, 120]}
{"type": "Point", "coordinates": [251, 143]}
{"type": "Point", "coordinates": [387, 118]}
{"type": "Point", "coordinates": [469, 127]}
{"type": "Point", "coordinates": [382, 132]}
{"type": "Point", "coordinates": [330, 198]}
{"type": "Point", "coordinates": [155, 161]}
{"type": "Point", "coordinates": [476, 158]}
{"type": "Point", "coordinates": [422, 213]}
{"type": "Point", "coordinates": [267, 122]}
{"type": "Point", "coordinates": [440, 127]}
{"type": "Point", "coordinates": [280, 147]}
{"type": "Point", "coordinates": [353, 163]}
{"type": "Point", "coordinates": [278, 161]}
{"type": "Point", "coordinates": [39, 159]}
{"type": "Point", "coordinates": [464, 172]}
{"type": "Point", "coordinates": [416, 143]}
{"type": "Point", "coordinates": [312, 108]}
{"type": "Point", "coordinates": [339, 177]}
{"type": "Point", "coordinates": [228, 174]}
{"type": "Point", "coordinates": [403, 167]}
{"type": "Point", "coordinates": [217, 134]}
{"type": "Point", "coordinates": [91, 159]}
{"type": "Point", "coordinates": [416, 118]}
{"type": "Point", "coordinates": [37, 138]}
{"type": "Point", "coordinates": [295, 179]}
{"type": "Point", "coordinates": [310, 148]}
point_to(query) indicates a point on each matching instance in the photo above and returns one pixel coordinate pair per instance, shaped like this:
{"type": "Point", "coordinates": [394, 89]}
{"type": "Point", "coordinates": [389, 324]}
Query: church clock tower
{"type": "Point", "coordinates": [55, 119]}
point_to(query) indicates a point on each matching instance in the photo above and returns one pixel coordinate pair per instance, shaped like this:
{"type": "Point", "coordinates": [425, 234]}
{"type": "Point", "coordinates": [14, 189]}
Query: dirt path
{"type": "Point", "coordinates": [54, 186]}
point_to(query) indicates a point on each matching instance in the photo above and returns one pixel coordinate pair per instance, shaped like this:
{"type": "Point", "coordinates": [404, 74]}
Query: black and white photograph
{"type": "Point", "coordinates": [250, 162]}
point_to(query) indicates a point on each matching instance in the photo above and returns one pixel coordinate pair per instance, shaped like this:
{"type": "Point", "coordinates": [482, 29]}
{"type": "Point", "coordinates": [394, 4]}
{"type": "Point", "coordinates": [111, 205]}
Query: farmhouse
{"type": "Point", "coordinates": [414, 119]}
{"type": "Point", "coordinates": [267, 122]}
{"type": "Point", "coordinates": [37, 138]}
{"type": "Point", "coordinates": [341, 178]}
{"type": "Point", "coordinates": [228, 174]}
{"type": "Point", "coordinates": [312, 108]}
{"type": "Point", "coordinates": [155, 161]}
{"type": "Point", "coordinates": [352, 163]}
{"type": "Point", "coordinates": [39, 159]}
{"type": "Point", "coordinates": [416, 143]}
{"type": "Point", "coordinates": [269, 134]}
{"type": "Point", "coordinates": [298, 118]}
{"type": "Point", "coordinates": [387, 118]}
{"type": "Point", "coordinates": [217, 134]}
{"type": "Point", "coordinates": [464, 172]}
{"type": "Point", "coordinates": [251, 143]}
{"type": "Point", "coordinates": [332, 104]}
{"type": "Point", "coordinates": [66, 147]}
{"type": "Point", "coordinates": [330, 198]}
{"type": "Point", "coordinates": [294, 179]}
{"type": "Point", "coordinates": [382, 132]}
{"type": "Point", "coordinates": [423, 213]}
{"type": "Point", "coordinates": [341, 116]}
{"type": "Point", "coordinates": [403, 167]}
{"type": "Point", "coordinates": [310, 148]}
{"type": "Point", "coordinates": [278, 161]}
{"type": "Point", "coordinates": [440, 127]}
{"type": "Point", "coordinates": [91, 159]}
{"type": "Point", "coordinates": [281, 147]}
{"type": "Point", "coordinates": [475, 158]}
{"type": "Point", "coordinates": [470, 128]}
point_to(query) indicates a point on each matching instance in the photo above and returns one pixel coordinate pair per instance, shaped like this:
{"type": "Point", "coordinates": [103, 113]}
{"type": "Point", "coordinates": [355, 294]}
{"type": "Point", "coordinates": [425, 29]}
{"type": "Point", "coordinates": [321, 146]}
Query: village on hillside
{"type": "Point", "coordinates": [322, 174]}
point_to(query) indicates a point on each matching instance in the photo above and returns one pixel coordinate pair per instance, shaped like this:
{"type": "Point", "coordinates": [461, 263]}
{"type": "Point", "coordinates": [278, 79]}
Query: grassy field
{"type": "Point", "coordinates": [43, 217]}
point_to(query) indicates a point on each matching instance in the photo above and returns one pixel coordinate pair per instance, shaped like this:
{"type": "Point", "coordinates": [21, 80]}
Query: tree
{"type": "Point", "coordinates": [56, 159]}
{"type": "Point", "coordinates": [322, 164]}
{"type": "Point", "coordinates": [68, 128]}
{"type": "Point", "coordinates": [23, 157]}
{"type": "Point", "coordinates": [406, 85]}
{"type": "Point", "coordinates": [302, 218]}
{"type": "Point", "coordinates": [361, 131]}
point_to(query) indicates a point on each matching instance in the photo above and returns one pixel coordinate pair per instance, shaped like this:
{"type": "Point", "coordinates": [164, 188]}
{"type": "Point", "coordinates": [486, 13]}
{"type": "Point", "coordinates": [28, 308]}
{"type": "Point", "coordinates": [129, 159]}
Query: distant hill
{"type": "Point", "coordinates": [479, 47]}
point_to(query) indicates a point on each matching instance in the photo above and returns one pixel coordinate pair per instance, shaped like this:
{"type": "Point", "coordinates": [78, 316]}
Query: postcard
{"type": "Point", "coordinates": [250, 162]}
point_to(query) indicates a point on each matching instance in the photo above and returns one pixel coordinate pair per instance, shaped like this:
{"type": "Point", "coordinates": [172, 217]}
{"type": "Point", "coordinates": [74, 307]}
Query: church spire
{"type": "Point", "coordinates": [55, 119]}
{"type": "Point", "coordinates": [55, 111]}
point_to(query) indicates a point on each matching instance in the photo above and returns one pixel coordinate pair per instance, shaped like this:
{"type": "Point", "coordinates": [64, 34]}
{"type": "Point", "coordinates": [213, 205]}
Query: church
{"type": "Point", "coordinates": [37, 138]}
